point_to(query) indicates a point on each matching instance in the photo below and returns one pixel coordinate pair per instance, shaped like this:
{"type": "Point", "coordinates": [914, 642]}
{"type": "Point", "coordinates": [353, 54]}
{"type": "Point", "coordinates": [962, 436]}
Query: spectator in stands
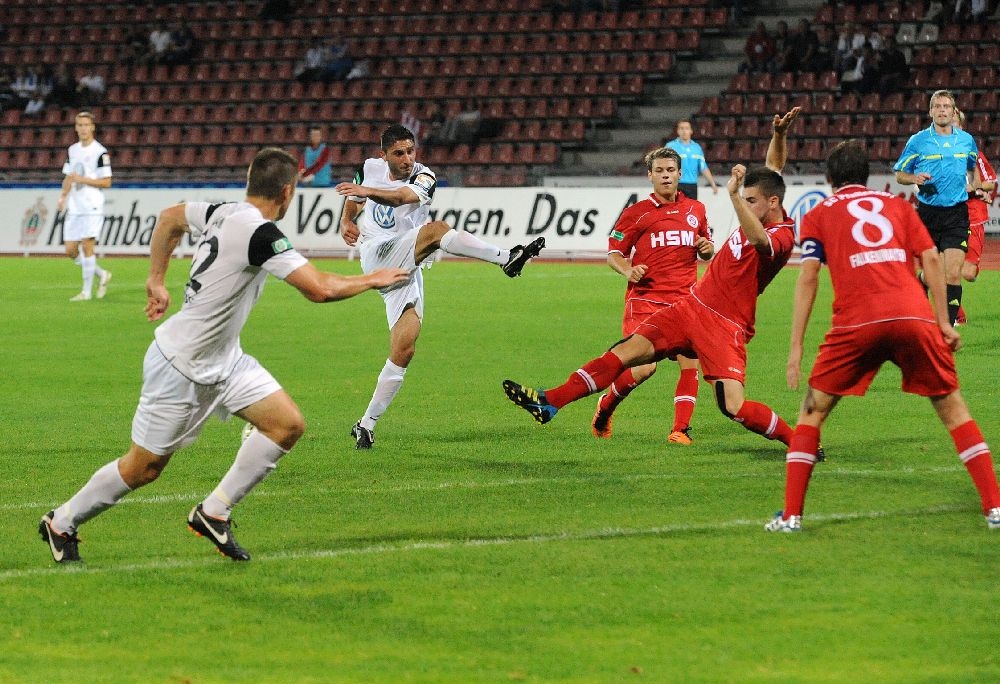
{"type": "Point", "coordinates": [360, 69]}
{"type": "Point", "coordinates": [434, 124]}
{"type": "Point", "coordinates": [7, 96]}
{"type": "Point", "coordinates": [894, 72]}
{"type": "Point", "coordinates": [693, 162]}
{"type": "Point", "coordinates": [159, 43]}
{"type": "Point", "coordinates": [181, 46]}
{"type": "Point", "coordinates": [339, 61]}
{"type": "Point", "coordinates": [759, 50]}
{"type": "Point", "coordinates": [826, 47]}
{"type": "Point", "coordinates": [864, 77]}
{"type": "Point", "coordinates": [315, 164]}
{"type": "Point", "coordinates": [969, 11]}
{"type": "Point", "coordinates": [25, 86]}
{"type": "Point", "coordinates": [463, 127]}
{"type": "Point", "coordinates": [849, 44]}
{"type": "Point", "coordinates": [876, 40]}
{"type": "Point", "coordinates": [782, 48]}
{"type": "Point", "coordinates": [802, 48]}
{"type": "Point", "coordinates": [90, 87]}
{"type": "Point", "coordinates": [35, 106]}
{"type": "Point", "coordinates": [136, 47]}
{"type": "Point", "coordinates": [64, 88]}
{"type": "Point", "coordinates": [313, 64]}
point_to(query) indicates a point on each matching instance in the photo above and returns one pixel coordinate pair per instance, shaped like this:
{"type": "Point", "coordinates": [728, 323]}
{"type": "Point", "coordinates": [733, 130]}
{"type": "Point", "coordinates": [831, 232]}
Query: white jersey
{"type": "Point", "coordinates": [237, 248]}
{"type": "Point", "coordinates": [379, 222]}
{"type": "Point", "coordinates": [91, 161]}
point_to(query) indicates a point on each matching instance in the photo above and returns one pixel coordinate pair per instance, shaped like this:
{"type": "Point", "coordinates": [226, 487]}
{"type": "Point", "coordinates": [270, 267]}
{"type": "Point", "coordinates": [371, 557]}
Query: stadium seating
{"type": "Point", "coordinates": [557, 74]}
{"type": "Point", "coordinates": [963, 58]}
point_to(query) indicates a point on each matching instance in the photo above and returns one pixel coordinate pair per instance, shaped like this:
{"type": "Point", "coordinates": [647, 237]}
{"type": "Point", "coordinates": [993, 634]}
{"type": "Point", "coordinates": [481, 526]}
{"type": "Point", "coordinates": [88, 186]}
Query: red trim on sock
{"type": "Point", "coordinates": [966, 436]}
{"type": "Point", "coordinates": [602, 372]}
{"type": "Point", "coordinates": [804, 440]}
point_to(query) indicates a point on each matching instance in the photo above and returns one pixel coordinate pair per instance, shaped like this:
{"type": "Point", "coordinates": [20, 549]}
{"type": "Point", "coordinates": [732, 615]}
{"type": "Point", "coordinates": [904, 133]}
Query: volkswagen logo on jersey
{"type": "Point", "coordinates": [383, 216]}
{"type": "Point", "coordinates": [803, 205]}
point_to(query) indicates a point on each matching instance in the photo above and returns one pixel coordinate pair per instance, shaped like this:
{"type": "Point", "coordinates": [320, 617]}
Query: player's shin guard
{"type": "Point", "coordinates": [954, 301]}
{"type": "Point", "coordinates": [759, 418]}
{"type": "Point", "coordinates": [685, 396]}
{"type": "Point", "coordinates": [255, 460]}
{"type": "Point", "coordinates": [621, 388]}
{"type": "Point", "coordinates": [463, 243]}
{"type": "Point", "coordinates": [593, 377]}
{"type": "Point", "coordinates": [975, 455]}
{"type": "Point", "coordinates": [390, 380]}
{"type": "Point", "coordinates": [799, 462]}
{"type": "Point", "coordinates": [104, 489]}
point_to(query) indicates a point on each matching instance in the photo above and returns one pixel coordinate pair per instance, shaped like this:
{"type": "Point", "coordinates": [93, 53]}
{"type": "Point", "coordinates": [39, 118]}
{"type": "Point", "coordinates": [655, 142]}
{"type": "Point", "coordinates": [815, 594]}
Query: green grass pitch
{"type": "Point", "coordinates": [473, 545]}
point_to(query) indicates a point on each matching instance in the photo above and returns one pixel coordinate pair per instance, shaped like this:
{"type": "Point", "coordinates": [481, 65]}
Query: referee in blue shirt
{"type": "Point", "coordinates": [938, 160]}
{"type": "Point", "coordinates": [693, 161]}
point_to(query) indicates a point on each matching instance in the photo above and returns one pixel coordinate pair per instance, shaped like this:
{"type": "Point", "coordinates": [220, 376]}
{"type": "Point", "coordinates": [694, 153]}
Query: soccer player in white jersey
{"type": "Point", "coordinates": [386, 213]}
{"type": "Point", "coordinates": [195, 367]}
{"type": "Point", "coordinates": [87, 172]}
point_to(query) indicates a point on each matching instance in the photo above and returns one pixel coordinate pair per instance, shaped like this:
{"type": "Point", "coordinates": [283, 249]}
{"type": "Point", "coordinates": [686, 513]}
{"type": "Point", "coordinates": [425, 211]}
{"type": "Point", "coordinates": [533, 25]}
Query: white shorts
{"type": "Point", "coordinates": [172, 409]}
{"type": "Point", "coordinates": [396, 252]}
{"type": "Point", "coordinates": [82, 227]}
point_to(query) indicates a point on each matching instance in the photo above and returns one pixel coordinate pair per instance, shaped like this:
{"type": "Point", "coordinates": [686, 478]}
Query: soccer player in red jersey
{"type": "Point", "coordinates": [714, 323]}
{"type": "Point", "coordinates": [656, 244]}
{"type": "Point", "coordinates": [869, 240]}
{"type": "Point", "coordinates": [981, 195]}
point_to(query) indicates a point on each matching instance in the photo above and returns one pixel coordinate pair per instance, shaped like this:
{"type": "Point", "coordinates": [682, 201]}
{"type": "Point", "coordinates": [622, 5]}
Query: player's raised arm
{"type": "Point", "coordinates": [777, 149]}
{"type": "Point", "coordinates": [170, 228]}
{"type": "Point", "coordinates": [751, 225]}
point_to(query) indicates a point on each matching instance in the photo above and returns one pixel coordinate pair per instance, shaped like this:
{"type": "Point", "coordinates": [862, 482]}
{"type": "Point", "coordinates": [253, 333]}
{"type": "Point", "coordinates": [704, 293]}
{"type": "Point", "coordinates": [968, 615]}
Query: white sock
{"type": "Point", "coordinates": [254, 461]}
{"type": "Point", "coordinates": [104, 489]}
{"type": "Point", "coordinates": [98, 271]}
{"type": "Point", "coordinates": [463, 243]}
{"type": "Point", "coordinates": [389, 382]}
{"type": "Point", "coordinates": [89, 264]}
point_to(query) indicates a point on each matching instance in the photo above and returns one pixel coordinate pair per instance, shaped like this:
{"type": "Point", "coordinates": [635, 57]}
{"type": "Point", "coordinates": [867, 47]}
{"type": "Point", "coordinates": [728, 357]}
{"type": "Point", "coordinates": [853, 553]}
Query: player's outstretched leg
{"type": "Point", "coordinates": [64, 547]}
{"type": "Point", "coordinates": [531, 400]}
{"type": "Point", "coordinates": [218, 531]}
{"type": "Point", "coordinates": [520, 255]}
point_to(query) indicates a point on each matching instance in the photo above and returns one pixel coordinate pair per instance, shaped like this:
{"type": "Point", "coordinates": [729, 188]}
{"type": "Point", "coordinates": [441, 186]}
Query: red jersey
{"type": "Point", "coordinates": [869, 240]}
{"type": "Point", "coordinates": [739, 273]}
{"type": "Point", "coordinates": [979, 209]}
{"type": "Point", "coordinates": [661, 236]}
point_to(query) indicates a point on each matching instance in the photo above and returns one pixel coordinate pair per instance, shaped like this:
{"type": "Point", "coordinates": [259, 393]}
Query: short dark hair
{"type": "Point", "coordinates": [847, 164]}
{"type": "Point", "coordinates": [768, 180]}
{"type": "Point", "coordinates": [270, 171]}
{"type": "Point", "coordinates": [662, 153]}
{"type": "Point", "coordinates": [394, 133]}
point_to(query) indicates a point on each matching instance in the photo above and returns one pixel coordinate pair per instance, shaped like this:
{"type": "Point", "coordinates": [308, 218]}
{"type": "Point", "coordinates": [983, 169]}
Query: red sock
{"type": "Point", "coordinates": [975, 454]}
{"type": "Point", "coordinates": [759, 418]}
{"type": "Point", "coordinates": [685, 395]}
{"type": "Point", "coordinates": [620, 388]}
{"type": "Point", "coordinates": [593, 377]}
{"type": "Point", "coordinates": [799, 462]}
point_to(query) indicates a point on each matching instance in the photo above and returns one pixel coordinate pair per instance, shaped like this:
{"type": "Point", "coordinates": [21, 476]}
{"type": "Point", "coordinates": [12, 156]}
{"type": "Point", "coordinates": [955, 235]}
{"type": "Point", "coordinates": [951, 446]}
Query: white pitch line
{"type": "Point", "coordinates": [497, 484]}
{"type": "Point", "coordinates": [449, 544]}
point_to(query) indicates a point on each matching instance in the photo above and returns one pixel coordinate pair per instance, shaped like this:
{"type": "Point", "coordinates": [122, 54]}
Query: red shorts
{"type": "Point", "coordinates": [691, 329]}
{"type": "Point", "coordinates": [638, 310]}
{"type": "Point", "coordinates": [849, 358]}
{"type": "Point", "coordinates": [977, 237]}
